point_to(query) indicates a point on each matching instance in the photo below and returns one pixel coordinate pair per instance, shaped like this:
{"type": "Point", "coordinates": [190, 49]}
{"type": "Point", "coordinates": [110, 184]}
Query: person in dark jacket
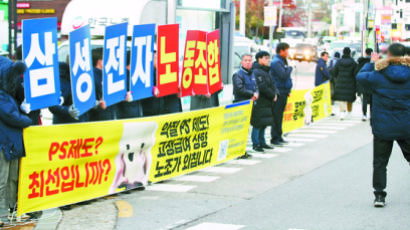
{"type": "Point", "coordinates": [389, 82]}
{"type": "Point", "coordinates": [345, 90]}
{"type": "Point", "coordinates": [281, 74]}
{"type": "Point", "coordinates": [129, 108]}
{"type": "Point", "coordinates": [321, 73]}
{"type": "Point", "coordinates": [244, 83]}
{"type": "Point", "coordinates": [12, 122]}
{"type": "Point", "coordinates": [33, 115]}
{"type": "Point", "coordinates": [152, 106]}
{"type": "Point", "coordinates": [332, 64]}
{"type": "Point", "coordinates": [366, 97]}
{"type": "Point", "coordinates": [262, 113]}
{"type": "Point", "coordinates": [66, 113]}
{"type": "Point", "coordinates": [101, 112]}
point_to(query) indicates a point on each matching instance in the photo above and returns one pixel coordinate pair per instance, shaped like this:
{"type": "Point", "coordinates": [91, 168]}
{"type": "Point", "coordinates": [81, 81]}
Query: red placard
{"type": "Point", "coordinates": [201, 83]}
{"type": "Point", "coordinates": [214, 62]}
{"type": "Point", "coordinates": [187, 77]}
{"type": "Point", "coordinates": [167, 60]}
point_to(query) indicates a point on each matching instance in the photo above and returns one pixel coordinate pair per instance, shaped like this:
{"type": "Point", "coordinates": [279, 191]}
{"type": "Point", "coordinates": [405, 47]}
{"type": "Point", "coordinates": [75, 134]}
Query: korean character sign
{"type": "Point", "coordinates": [82, 78]}
{"type": "Point", "coordinates": [142, 56]}
{"type": "Point", "coordinates": [115, 64]}
{"type": "Point", "coordinates": [189, 63]}
{"type": "Point", "coordinates": [194, 72]}
{"type": "Point", "coordinates": [42, 78]}
{"type": "Point", "coordinates": [167, 60]}
{"type": "Point", "coordinates": [201, 83]}
{"type": "Point", "coordinates": [214, 62]}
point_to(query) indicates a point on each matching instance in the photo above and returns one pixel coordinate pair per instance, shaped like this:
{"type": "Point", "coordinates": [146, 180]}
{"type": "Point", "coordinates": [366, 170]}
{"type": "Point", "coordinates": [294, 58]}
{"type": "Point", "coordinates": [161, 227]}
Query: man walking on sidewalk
{"type": "Point", "coordinates": [389, 82]}
{"type": "Point", "coordinates": [365, 96]}
{"type": "Point", "coordinates": [321, 73]}
{"type": "Point", "coordinates": [281, 74]}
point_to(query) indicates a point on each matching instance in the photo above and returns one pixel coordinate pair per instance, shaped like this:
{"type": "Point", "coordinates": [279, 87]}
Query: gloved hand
{"type": "Point", "coordinates": [25, 107]}
{"type": "Point", "coordinates": [74, 113]}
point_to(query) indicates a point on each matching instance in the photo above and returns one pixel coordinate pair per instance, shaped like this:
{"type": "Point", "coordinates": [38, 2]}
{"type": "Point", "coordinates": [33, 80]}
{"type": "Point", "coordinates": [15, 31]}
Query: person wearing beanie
{"type": "Point", "coordinates": [332, 64]}
{"type": "Point", "coordinates": [345, 78]}
{"type": "Point", "coordinates": [12, 122]}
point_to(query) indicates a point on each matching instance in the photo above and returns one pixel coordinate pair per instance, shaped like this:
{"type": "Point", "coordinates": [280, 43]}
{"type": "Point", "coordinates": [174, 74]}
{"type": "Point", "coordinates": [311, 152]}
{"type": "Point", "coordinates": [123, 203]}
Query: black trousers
{"type": "Point", "coordinates": [278, 109]}
{"type": "Point", "coordinates": [366, 100]}
{"type": "Point", "coordinates": [382, 150]}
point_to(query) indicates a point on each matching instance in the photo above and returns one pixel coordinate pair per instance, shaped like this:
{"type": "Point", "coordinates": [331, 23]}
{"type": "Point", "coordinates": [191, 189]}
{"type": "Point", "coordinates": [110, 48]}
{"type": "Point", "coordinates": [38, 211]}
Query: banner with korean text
{"type": "Point", "coordinates": [307, 106]}
{"type": "Point", "coordinates": [66, 164]}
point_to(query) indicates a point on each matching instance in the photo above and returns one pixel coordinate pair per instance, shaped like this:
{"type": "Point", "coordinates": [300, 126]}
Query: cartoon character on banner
{"type": "Point", "coordinates": [308, 108]}
{"type": "Point", "coordinates": [133, 161]}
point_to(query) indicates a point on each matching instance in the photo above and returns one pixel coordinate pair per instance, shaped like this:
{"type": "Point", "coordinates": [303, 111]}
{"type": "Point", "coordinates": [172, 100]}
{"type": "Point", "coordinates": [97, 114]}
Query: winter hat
{"type": "Point", "coordinates": [10, 74]}
{"type": "Point", "coordinates": [337, 55]}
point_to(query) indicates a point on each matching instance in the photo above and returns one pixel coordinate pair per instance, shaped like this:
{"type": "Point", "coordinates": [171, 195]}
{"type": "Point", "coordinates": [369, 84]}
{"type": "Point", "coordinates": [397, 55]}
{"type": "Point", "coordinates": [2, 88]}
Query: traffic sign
{"type": "Point", "coordinates": [270, 14]}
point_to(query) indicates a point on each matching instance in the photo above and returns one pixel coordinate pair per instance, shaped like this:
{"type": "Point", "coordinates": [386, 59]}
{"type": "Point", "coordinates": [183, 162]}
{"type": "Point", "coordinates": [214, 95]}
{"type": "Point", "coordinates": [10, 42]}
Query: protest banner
{"type": "Point", "coordinates": [42, 78]}
{"type": "Point", "coordinates": [142, 56]}
{"type": "Point", "coordinates": [307, 106]}
{"type": "Point", "coordinates": [167, 60]}
{"type": "Point", "coordinates": [214, 62]}
{"type": "Point", "coordinates": [66, 164]}
{"type": "Point", "coordinates": [82, 77]}
{"type": "Point", "coordinates": [115, 64]}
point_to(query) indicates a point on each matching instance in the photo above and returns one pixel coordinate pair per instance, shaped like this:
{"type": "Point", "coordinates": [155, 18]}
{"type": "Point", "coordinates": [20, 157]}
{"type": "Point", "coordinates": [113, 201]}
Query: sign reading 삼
{"type": "Point", "coordinates": [42, 78]}
{"type": "Point", "coordinates": [82, 78]}
{"type": "Point", "coordinates": [115, 64]}
{"type": "Point", "coordinates": [142, 56]}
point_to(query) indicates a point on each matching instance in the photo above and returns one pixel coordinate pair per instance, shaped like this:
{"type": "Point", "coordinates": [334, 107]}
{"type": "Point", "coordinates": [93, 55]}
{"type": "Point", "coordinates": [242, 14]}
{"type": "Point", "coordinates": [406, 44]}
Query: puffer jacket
{"type": "Point", "coordinates": [389, 82]}
{"type": "Point", "coordinates": [262, 114]}
{"type": "Point", "coordinates": [344, 74]}
{"type": "Point", "coordinates": [361, 62]}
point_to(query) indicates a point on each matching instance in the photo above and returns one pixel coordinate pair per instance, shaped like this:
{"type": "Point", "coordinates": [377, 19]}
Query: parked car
{"type": "Point", "coordinates": [303, 52]}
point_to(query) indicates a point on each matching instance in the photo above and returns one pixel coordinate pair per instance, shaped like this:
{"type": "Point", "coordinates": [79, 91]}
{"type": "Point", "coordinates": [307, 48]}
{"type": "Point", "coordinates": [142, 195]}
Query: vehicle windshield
{"type": "Point", "coordinates": [295, 34]}
{"type": "Point", "coordinates": [241, 50]}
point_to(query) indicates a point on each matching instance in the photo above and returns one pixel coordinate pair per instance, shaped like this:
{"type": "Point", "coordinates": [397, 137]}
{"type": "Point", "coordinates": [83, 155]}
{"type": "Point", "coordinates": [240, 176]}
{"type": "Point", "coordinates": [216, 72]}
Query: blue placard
{"type": "Point", "coordinates": [82, 77]}
{"type": "Point", "coordinates": [142, 55]}
{"type": "Point", "coordinates": [115, 64]}
{"type": "Point", "coordinates": [42, 78]}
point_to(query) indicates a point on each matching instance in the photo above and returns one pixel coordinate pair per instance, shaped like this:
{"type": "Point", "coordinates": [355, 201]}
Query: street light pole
{"type": "Point", "coordinates": [280, 14]}
{"type": "Point", "coordinates": [271, 33]}
{"type": "Point", "coordinates": [242, 16]}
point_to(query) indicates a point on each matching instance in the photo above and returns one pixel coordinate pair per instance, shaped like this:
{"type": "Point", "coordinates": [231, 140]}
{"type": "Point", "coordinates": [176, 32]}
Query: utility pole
{"type": "Point", "coordinates": [242, 16]}
{"type": "Point", "coordinates": [309, 29]}
{"type": "Point", "coordinates": [364, 25]}
{"type": "Point", "coordinates": [280, 13]}
{"type": "Point", "coordinates": [271, 33]}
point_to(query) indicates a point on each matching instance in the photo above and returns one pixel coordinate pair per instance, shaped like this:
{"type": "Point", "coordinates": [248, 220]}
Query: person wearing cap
{"type": "Point", "coordinates": [345, 78]}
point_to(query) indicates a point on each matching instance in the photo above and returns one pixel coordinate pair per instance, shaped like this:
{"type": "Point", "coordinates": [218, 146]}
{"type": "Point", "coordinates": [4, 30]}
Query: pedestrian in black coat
{"type": "Point", "coordinates": [364, 95]}
{"type": "Point", "coordinates": [262, 115]}
{"type": "Point", "coordinates": [345, 78]}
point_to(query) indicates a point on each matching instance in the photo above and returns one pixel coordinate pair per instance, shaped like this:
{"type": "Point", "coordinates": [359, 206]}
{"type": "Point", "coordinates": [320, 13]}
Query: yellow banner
{"type": "Point", "coordinates": [66, 164]}
{"type": "Point", "coordinates": [307, 106]}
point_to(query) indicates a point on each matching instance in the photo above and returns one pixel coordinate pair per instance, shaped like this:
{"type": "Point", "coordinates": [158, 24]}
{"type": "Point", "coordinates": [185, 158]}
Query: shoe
{"type": "Point", "coordinates": [342, 116]}
{"type": "Point", "coordinates": [258, 149]}
{"type": "Point", "coordinates": [245, 156]}
{"type": "Point", "coordinates": [276, 142]}
{"type": "Point", "coordinates": [379, 201]}
{"type": "Point", "coordinates": [265, 146]}
{"type": "Point", "coordinates": [283, 141]}
{"type": "Point", "coordinates": [364, 118]}
{"type": "Point", "coordinates": [66, 207]}
{"type": "Point", "coordinates": [349, 115]}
